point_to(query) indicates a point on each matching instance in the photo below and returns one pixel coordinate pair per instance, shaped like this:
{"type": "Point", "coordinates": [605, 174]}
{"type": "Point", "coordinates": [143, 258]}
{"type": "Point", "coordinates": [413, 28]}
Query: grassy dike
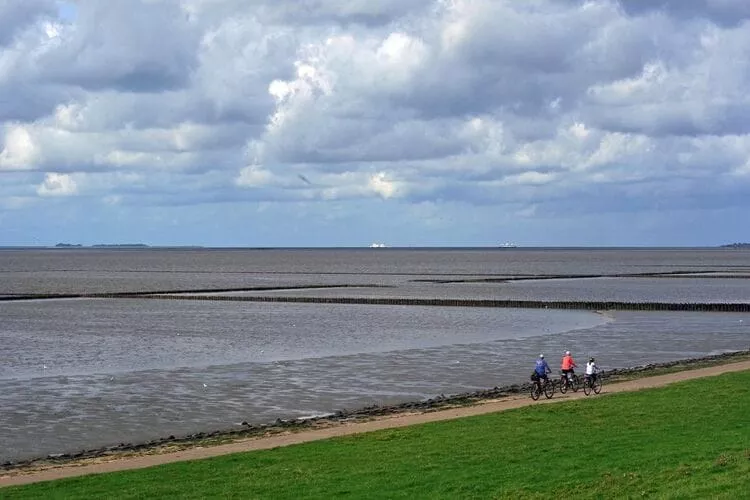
{"type": "Point", "coordinates": [687, 440]}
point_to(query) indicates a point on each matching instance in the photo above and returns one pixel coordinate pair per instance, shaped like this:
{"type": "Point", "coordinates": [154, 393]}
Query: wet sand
{"type": "Point", "coordinates": [333, 428]}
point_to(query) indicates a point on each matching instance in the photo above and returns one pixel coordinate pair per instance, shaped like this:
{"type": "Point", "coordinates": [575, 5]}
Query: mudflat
{"type": "Point", "coordinates": [339, 428]}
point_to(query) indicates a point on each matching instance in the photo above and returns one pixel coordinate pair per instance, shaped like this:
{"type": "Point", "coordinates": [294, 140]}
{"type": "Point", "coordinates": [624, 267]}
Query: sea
{"type": "Point", "coordinates": [82, 367]}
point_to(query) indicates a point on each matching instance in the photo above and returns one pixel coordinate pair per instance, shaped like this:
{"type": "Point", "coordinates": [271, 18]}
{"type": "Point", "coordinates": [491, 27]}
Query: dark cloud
{"type": "Point", "coordinates": [26, 102]}
{"type": "Point", "coordinates": [674, 118]}
{"type": "Point", "coordinates": [327, 12]}
{"type": "Point", "coordinates": [17, 16]}
{"type": "Point", "coordinates": [125, 45]}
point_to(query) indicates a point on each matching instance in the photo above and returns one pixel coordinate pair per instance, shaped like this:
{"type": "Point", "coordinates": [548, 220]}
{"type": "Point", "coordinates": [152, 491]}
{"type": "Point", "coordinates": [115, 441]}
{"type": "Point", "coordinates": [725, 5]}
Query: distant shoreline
{"type": "Point", "coordinates": [103, 245]}
{"type": "Point", "coordinates": [368, 248]}
{"type": "Point", "coordinates": [106, 246]}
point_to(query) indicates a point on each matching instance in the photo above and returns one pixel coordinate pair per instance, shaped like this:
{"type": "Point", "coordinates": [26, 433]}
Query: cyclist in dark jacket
{"type": "Point", "coordinates": [541, 369]}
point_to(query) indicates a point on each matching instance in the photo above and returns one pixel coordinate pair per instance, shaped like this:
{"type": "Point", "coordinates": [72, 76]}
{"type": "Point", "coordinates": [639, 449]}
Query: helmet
{"type": "Point", "coordinates": [591, 360]}
{"type": "Point", "coordinates": [541, 356]}
{"type": "Point", "coordinates": [567, 353]}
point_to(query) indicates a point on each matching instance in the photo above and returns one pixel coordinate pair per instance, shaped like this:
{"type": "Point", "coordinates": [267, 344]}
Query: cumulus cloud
{"type": "Point", "coordinates": [19, 151]}
{"type": "Point", "coordinates": [534, 109]}
{"type": "Point", "coordinates": [383, 186]}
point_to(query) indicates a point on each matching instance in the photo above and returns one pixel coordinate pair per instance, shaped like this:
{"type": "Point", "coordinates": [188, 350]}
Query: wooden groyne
{"type": "Point", "coordinates": [389, 301]}
{"type": "Point", "coordinates": [522, 304]}
{"type": "Point", "coordinates": [169, 293]}
{"type": "Point", "coordinates": [509, 279]}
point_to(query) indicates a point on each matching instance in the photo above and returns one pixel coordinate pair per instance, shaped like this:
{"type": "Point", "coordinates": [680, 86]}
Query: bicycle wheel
{"type": "Point", "coordinates": [535, 392]}
{"type": "Point", "coordinates": [598, 384]}
{"type": "Point", "coordinates": [563, 385]}
{"type": "Point", "coordinates": [549, 389]}
{"type": "Point", "coordinates": [575, 383]}
{"type": "Point", "coordinates": [587, 387]}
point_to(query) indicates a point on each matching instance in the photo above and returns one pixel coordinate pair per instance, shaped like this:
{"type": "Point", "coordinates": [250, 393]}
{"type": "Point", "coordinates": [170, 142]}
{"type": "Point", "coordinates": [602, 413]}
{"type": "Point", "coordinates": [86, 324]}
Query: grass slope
{"type": "Point", "coordinates": [689, 440]}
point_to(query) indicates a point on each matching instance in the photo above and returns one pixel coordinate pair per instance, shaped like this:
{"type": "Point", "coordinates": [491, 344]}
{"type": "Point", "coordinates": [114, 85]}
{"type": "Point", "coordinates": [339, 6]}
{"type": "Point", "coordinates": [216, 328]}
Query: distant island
{"type": "Point", "coordinates": [103, 245]}
{"type": "Point", "coordinates": [736, 245]}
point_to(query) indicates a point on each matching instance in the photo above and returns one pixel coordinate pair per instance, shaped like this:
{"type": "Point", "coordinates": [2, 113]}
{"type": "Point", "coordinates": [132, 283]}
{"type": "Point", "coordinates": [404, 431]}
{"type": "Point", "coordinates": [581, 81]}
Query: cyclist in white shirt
{"type": "Point", "coordinates": [591, 369]}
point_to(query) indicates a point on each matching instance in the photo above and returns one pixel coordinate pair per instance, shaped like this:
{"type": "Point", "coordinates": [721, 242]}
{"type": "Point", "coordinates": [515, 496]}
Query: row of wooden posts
{"type": "Point", "coordinates": [407, 301]}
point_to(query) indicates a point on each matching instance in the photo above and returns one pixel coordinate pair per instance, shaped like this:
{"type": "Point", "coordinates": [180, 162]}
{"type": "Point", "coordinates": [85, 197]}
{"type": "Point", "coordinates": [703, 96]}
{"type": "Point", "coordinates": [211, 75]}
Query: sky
{"type": "Point", "coordinates": [307, 123]}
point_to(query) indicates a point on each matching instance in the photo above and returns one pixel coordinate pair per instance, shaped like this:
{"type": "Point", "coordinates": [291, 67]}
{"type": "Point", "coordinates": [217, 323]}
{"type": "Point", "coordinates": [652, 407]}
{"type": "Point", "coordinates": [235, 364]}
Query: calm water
{"type": "Point", "coordinates": [83, 373]}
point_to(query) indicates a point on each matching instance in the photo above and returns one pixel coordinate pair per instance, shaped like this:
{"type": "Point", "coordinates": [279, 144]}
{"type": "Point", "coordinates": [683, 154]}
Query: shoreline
{"type": "Point", "coordinates": [281, 427]}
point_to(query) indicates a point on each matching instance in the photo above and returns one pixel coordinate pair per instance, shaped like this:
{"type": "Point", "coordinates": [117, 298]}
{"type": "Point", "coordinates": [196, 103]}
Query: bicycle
{"type": "Point", "coordinates": [594, 385]}
{"type": "Point", "coordinates": [537, 389]}
{"type": "Point", "coordinates": [569, 383]}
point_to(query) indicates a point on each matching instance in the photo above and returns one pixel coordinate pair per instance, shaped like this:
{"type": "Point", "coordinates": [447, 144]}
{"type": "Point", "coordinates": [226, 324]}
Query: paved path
{"type": "Point", "coordinates": [111, 464]}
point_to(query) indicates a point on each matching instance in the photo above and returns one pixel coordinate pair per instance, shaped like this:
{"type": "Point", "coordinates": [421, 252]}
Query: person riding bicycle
{"type": "Point", "coordinates": [591, 370]}
{"type": "Point", "coordinates": [541, 369]}
{"type": "Point", "coordinates": [567, 365]}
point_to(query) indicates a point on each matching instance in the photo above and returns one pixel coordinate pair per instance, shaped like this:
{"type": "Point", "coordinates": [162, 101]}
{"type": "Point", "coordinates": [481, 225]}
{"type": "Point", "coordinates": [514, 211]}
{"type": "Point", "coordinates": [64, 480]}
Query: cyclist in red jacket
{"type": "Point", "coordinates": [568, 363]}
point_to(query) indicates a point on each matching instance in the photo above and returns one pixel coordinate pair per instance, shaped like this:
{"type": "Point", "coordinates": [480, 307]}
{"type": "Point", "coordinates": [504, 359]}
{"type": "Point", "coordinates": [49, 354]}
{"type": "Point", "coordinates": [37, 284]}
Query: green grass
{"type": "Point", "coordinates": [689, 440]}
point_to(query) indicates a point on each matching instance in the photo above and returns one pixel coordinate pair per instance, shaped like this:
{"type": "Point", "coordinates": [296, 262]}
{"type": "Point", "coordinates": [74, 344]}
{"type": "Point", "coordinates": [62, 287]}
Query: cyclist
{"type": "Point", "coordinates": [541, 369]}
{"type": "Point", "coordinates": [591, 370]}
{"type": "Point", "coordinates": [567, 365]}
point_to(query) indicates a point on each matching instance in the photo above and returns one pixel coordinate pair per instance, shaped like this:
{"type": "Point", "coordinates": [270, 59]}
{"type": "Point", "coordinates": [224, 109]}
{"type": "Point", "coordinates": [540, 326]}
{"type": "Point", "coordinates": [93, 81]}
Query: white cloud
{"type": "Point", "coordinates": [616, 147]}
{"type": "Point", "coordinates": [254, 176]}
{"type": "Point", "coordinates": [57, 185]}
{"type": "Point", "coordinates": [383, 186]}
{"type": "Point", "coordinates": [653, 77]}
{"type": "Point", "coordinates": [19, 150]}
{"type": "Point", "coordinates": [532, 178]}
